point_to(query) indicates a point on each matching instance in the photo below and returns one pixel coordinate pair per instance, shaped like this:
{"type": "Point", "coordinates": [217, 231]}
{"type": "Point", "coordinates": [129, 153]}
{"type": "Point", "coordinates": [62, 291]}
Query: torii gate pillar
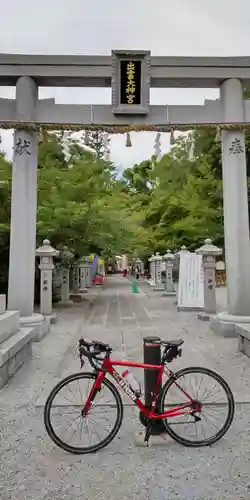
{"type": "Point", "coordinates": [23, 203]}
{"type": "Point", "coordinates": [236, 219]}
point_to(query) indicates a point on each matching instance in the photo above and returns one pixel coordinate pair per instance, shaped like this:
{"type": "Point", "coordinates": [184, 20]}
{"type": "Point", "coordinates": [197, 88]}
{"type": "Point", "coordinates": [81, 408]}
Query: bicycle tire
{"type": "Point", "coordinates": [228, 421]}
{"type": "Point", "coordinates": [90, 449]}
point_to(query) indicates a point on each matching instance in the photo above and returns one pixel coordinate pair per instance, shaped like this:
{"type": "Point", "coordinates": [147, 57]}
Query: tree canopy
{"type": "Point", "coordinates": [81, 203]}
{"type": "Point", "coordinates": [155, 206]}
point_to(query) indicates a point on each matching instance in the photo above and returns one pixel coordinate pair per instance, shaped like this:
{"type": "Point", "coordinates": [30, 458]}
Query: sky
{"type": "Point", "coordinates": [176, 28]}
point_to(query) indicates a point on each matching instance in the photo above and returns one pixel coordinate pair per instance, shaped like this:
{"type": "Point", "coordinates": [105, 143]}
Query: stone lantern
{"type": "Point", "coordinates": [183, 250]}
{"type": "Point", "coordinates": [85, 273]}
{"type": "Point", "coordinates": [150, 269]}
{"type": "Point", "coordinates": [153, 268]}
{"type": "Point", "coordinates": [209, 253]}
{"type": "Point", "coordinates": [46, 253]}
{"type": "Point", "coordinates": [66, 257]}
{"type": "Point", "coordinates": [169, 259]}
{"type": "Point", "coordinates": [75, 277]}
{"type": "Point", "coordinates": [157, 262]}
{"type": "Point", "coordinates": [178, 254]}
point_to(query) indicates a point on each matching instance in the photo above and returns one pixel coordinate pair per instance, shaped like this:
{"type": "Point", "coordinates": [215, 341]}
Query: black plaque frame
{"type": "Point", "coordinates": [119, 107]}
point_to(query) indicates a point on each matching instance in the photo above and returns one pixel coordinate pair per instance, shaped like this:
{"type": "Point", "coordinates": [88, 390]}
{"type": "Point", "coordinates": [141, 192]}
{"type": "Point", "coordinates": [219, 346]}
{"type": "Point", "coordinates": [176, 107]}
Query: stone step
{"type": "Point", "coordinates": [14, 352]}
{"type": "Point", "coordinates": [13, 344]}
{"type": "Point", "coordinates": [2, 303]}
{"type": "Point", "coordinates": [9, 324]}
{"type": "Point", "coordinates": [243, 330]}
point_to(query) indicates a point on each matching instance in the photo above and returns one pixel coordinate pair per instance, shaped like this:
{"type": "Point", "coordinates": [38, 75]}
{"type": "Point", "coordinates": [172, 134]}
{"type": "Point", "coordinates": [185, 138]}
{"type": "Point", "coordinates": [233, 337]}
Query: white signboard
{"type": "Point", "coordinates": [191, 282]}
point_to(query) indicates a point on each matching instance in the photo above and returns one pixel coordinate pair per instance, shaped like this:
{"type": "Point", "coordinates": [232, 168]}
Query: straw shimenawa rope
{"type": "Point", "coordinates": [122, 129]}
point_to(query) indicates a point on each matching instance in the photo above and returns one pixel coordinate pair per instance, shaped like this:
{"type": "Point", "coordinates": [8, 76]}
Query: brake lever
{"type": "Point", "coordinates": [82, 361]}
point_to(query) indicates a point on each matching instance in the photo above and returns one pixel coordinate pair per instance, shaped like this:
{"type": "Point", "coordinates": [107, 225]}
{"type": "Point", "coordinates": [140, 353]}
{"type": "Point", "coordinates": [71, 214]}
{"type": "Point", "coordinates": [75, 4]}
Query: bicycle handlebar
{"type": "Point", "coordinates": [92, 350]}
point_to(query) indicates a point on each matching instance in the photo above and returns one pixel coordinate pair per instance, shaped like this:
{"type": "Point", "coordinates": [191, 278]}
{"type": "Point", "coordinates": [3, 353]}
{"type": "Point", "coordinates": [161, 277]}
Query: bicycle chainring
{"type": "Point", "coordinates": [157, 428]}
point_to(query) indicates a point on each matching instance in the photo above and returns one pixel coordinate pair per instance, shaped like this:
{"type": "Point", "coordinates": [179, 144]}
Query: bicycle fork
{"type": "Point", "coordinates": [93, 392]}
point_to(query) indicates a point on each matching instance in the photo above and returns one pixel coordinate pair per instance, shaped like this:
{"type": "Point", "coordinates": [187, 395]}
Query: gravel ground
{"type": "Point", "coordinates": [31, 467]}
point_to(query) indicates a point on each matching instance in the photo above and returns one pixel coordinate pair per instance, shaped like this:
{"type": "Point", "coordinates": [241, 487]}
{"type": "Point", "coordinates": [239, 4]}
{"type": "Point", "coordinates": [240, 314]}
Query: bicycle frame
{"type": "Point", "coordinates": [108, 367]}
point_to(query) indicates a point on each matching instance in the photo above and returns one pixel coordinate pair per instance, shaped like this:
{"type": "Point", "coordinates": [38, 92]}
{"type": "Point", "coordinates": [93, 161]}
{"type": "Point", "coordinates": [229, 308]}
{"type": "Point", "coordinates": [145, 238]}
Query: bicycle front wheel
{"type": "Point", "coordinates": [216, 401]}
{"type": "Point", "coordinates": [66, 425]}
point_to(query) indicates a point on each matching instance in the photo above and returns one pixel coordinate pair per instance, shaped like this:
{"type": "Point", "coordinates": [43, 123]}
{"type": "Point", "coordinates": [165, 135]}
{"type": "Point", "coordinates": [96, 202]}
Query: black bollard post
{"type": "Point", "coordinates": [151, 356]}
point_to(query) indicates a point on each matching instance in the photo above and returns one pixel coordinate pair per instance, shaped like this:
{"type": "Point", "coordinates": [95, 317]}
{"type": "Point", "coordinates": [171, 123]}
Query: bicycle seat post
{"type": "Point", "coordinates": [152, 356]}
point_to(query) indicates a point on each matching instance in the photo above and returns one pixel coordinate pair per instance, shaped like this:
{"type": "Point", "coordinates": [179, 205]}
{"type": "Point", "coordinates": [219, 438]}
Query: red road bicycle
{"type": "Point", "coordinates": [190, 412]}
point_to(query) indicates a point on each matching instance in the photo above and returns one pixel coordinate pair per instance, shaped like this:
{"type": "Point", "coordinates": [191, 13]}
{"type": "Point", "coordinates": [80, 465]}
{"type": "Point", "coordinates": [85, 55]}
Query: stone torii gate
{"type": "Point", "coordinates": [130, 75]}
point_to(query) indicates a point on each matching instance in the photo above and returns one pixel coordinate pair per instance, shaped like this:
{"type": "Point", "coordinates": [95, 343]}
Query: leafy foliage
{"type": "Point", "coordinates": [81, 203]}
{"type": "Point", "coordinates": [181, 196]}
{"type": "Point", "coordinates": [156, 205]}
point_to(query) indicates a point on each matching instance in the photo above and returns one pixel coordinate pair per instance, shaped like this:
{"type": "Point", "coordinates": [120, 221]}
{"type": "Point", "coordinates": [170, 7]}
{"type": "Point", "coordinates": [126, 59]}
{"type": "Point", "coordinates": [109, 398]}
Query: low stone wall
{"type": "Point", "coordinates": [243, 330]}
{"type": "Point", "coordinates": [15, 343]}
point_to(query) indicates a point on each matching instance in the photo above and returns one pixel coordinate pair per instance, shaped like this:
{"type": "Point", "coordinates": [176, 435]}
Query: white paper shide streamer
{"type": "Point", "coordinates": [106, 143]}
{"type": "Point", "coordinates": [157, 145]}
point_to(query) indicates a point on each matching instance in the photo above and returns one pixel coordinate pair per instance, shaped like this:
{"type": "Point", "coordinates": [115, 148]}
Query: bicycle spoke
{"type": "Point", "coordinates": [210, 394]}
{"type": "Point", "coordinates": [79, 421]}
{"type": "Point", "coordinates": [70, 426]}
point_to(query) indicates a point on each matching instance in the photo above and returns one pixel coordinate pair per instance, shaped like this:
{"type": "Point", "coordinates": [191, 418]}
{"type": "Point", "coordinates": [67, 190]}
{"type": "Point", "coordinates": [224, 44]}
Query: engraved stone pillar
{"type": "Point", "coordinates": [209, 253]}
{"type": "Point", "coordinates": [85, 274]}
{"type": "Point", "coordinates": [182, 250]}
{"type": "Point", "coordinates": [75, 277]}
{"type": "Point", "coordinates": [153, 271]}
{"type": "Point", "coordinates": [89, 276]}
{"type": "Point", "coordinates": [150, 269]}
{"type": "Point", "coordinates": [46, 254]}
{"type": "Point", "coordinates": [236, 220]}
{"type": "Point", "coordinates": [23, 203]}
{"type": "Point", "coordinates": [66, 257]}
{"type": "Point", "coordinates": [169, 285]}
{"type": "Point", "coordinates": [158, 263]}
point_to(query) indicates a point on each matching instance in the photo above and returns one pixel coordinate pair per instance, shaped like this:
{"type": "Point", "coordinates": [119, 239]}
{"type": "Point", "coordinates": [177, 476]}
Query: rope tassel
{"type": "Point", "coordinates": [106, 143]}
{"type": "Point", "coordinates": [86, 138]}
{"type": "Point", "coordinates": [172, 137]}
{"type": "Point", "coordinates": [218, 135]}
{"type": "Point", "coordinates": [41, 135]}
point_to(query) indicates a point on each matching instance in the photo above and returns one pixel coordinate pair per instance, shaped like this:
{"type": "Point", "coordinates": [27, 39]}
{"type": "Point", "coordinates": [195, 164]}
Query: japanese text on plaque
{"type": "Point", "coordinates": [130, 88]}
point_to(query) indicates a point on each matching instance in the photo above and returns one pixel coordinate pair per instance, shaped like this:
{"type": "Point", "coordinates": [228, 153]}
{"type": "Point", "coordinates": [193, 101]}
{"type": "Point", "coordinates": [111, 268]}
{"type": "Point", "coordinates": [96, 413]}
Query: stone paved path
{"type": "Point", "coordinates": [32, 468]}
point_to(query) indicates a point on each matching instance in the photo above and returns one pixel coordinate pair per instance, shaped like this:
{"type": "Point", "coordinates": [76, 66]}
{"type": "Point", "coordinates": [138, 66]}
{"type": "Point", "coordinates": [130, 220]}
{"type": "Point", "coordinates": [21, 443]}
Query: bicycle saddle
{"type": "Point", "coordinates": [172, 343]}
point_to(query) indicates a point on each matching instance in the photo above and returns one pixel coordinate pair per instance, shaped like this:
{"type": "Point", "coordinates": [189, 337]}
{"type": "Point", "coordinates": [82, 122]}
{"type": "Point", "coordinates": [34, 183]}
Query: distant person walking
{"type": "Point", "coordinates": [137, 273]}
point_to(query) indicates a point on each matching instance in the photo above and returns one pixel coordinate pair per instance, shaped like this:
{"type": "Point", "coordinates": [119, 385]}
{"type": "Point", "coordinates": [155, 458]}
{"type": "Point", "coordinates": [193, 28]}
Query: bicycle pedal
{"type": "Point", "coordinates": [147, 435]}
{"type": "Point", "coordinates": [147, 441]}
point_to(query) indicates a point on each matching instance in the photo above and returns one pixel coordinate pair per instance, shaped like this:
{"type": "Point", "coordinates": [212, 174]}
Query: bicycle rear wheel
{"type": "Point", "coordinates": [63, 417]}
{"type": "Point", "coordinates": [185, 428]}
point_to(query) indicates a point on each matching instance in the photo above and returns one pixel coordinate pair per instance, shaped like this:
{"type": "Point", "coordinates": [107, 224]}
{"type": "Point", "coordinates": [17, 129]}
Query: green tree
{"type": "Point", "coordinates": [95, 139]}
{"type": "Point", "coordinates": [81, 203]}
{"type": "Point", "coordinates": [5, 197]}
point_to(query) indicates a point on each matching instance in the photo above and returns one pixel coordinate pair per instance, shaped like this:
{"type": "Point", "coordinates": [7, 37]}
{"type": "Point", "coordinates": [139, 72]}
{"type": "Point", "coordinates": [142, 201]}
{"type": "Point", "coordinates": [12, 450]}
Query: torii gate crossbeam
{"type": "Point", "coordinates": [130, 107]}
